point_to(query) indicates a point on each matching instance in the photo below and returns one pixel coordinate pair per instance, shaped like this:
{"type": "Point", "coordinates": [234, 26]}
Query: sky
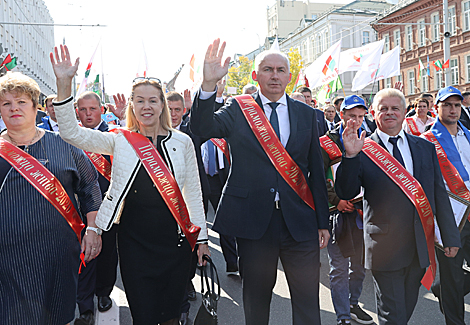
{"type": "Point", "coordinates": [169, 31]}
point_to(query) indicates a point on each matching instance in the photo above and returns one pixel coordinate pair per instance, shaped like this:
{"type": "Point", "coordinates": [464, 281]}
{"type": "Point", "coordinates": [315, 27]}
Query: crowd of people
{"type": "Point", "coordinates": [286, 179]}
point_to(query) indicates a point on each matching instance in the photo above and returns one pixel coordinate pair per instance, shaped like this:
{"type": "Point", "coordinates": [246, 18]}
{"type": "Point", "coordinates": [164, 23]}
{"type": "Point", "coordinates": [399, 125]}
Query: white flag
{"type": "Point", "coordinates": [275, 46]}
{"type": "Point", "coordinates": [363, 58]}
{"type": "Point", "coordinates": [325, 68]}
{"type": "Point", "coordinates": [389, 67]}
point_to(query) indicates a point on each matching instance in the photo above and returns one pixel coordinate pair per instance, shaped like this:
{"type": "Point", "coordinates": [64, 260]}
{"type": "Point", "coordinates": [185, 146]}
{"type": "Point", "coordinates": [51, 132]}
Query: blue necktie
{"type": "Point", "coordinates": [274, 119]}
{"type": "Point", "coordinates": [396, 151]}
{"type": "Point", "coordinates": [211, 163]}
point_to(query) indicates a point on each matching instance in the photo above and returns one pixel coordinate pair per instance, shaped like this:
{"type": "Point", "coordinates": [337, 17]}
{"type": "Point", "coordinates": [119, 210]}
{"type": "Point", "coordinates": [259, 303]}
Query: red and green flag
{"type": "Point", "coordinates": [445, 65]}
{"type": "Point", "coordinates": [301, 80]}
{"type": "Point", "coordinates": [6, 60]}
{"type": "Point", "coordinates": [437, 65]}
{"type": "Point", "coordinates": [10, 65]}
{"type": "Point", "coordinates": [329, 65]}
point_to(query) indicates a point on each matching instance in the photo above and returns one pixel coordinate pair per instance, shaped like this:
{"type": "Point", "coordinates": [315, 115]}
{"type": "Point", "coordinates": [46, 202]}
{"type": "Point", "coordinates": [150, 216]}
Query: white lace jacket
{"type": "Point", "coordinates": [178, 150]}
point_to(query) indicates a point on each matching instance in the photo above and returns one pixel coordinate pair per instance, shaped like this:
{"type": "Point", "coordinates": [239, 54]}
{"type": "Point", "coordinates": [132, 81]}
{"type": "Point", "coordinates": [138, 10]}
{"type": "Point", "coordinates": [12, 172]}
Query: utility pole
{"type": "Point", "coordinates": [446, 42]}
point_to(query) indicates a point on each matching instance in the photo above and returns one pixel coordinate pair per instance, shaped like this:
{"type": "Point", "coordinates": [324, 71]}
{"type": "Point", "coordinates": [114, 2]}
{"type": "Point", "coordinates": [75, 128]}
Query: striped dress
{"type": "Point", "coordinates": [39, 251]}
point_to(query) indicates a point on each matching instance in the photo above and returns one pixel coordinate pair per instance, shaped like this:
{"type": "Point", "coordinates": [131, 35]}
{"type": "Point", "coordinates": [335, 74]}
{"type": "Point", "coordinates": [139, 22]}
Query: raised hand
{"type": "Point", "coordinates": [220, 87]}
{"type": "Point", "coordinates": [398, 86]}
{"type": "Point", "coordinates": [62, 65]}
{"type": "Point", "coordinates": [213, 69]}
{"type": "Point", "coordinates": [120, 107]}
{"type": "Point", "coordinates": [352, 143]}
{"type": "Point", "coordinates": [187, 99]}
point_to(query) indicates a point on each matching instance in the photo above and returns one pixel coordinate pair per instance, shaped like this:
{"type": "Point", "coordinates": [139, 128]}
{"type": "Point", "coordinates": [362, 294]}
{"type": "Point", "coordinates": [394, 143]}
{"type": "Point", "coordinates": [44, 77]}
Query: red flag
{"type": "Point", "coordinates": [445, 65]}
{"type": "Point", "coordinates": [306, 81]}
{"type": "Point", "coordinates": [6, 60]}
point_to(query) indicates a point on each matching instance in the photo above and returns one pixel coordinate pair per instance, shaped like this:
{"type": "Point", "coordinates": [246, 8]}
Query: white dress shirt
{"type": "Point", "coordinates": [54, 125]}
{"type": "Point", "coordinates": [205, 157]}
{"type": "Point", "coordinates": [403, 146]}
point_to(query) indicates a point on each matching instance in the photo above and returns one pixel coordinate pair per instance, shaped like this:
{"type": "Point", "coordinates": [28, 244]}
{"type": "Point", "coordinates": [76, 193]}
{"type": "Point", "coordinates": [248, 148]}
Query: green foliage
{"type": "Point", "coordinates": [239, 76]}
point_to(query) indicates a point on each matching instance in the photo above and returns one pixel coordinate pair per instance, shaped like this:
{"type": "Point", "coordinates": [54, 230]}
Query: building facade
{"type": "Point", "coordinates": [350, 23]}
{"type": "Point", "coordinates": [23, 37]}
{"type": "Point", "coordinates": [417, 28]}
{"type": "Point", "coordinates": [283, 17]}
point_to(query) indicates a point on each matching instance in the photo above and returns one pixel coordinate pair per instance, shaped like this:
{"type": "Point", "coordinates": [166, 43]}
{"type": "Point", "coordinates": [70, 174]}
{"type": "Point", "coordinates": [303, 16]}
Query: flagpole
{"type": "Point", "coordinates": [373, 84]}
{"type": "Point", "coordinates": [342, 88]}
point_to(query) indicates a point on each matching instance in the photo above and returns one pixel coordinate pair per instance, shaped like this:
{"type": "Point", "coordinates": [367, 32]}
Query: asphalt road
{"type": "Point", "coordinates": [230, 308]}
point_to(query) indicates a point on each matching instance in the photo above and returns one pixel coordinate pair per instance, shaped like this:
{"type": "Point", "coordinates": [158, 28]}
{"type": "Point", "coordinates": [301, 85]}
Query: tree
{"type": "Point", "coordinates": [239, 76]}
{"type": "Point", "coordinates": [296, 64]}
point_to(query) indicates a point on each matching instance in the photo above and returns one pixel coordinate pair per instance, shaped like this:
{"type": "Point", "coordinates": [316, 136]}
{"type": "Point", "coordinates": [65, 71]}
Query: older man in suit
{"type": "Point", "coordinates": [395, 243]}
{"type": "Point", "coordinates": [258, 206]}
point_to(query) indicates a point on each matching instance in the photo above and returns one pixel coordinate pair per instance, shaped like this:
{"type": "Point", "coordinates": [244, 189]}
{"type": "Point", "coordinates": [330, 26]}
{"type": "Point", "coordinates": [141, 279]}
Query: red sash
{"type": "Point", "coordinates": [413, 190]}
{"type": "Point", "coordinates": [331, 148]}
{"type": "Point", "coordinates": [222, 145]}
{"type": "Point", "coordinates": [449, 172]}
{"type": "Point", "coordinates": [164, 182]}
{"type": "Point", "coordinates": [44, 182]}
{"type": "Point", "coordinates": [101, 164]}
{"type": "Point", "coordinates": [276, 152]}
{"type": "Point", "coordinates": [413, 126]}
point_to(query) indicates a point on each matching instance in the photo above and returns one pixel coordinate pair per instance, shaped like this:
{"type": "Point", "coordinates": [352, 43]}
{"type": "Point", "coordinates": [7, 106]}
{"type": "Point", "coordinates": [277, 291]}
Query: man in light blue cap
{"type": "Point", "coordinates": [454, 138]}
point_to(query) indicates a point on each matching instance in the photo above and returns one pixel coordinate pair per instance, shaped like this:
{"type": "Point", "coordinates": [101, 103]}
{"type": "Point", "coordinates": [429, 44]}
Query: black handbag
{"type": "Point", "coordinates": [207, 313]}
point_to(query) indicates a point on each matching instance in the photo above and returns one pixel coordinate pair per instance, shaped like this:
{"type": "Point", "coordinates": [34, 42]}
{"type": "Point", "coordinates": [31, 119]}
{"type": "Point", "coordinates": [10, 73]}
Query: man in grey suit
{"type": "Point", "coordinates": [395, 244]}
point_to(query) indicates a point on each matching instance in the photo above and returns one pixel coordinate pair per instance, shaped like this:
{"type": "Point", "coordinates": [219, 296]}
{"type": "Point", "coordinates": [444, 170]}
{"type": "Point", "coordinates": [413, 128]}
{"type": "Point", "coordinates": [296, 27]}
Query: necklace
{"type": "Point", "coordinates": [26, 145]}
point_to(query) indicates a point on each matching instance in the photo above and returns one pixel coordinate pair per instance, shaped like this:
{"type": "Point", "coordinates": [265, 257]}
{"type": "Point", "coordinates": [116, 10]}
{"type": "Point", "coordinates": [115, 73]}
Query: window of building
{"type": "Point", "coordinates": [399, 78]}
{"type": "Point", "coordinates": [388, 83]}
{"type": "Point", "coordinates": [320, 44]}
{"type": "Point", "coordinates": [386, 43]}
{"type": "Point", "coordinates": [438, 79]}
{"type": "Point", "coordinates": [365, 37]}
{"type": "Point", "coordinates": [411, 82]}
{"type": "Point", "coordinates": [424, 82]}
{"type": "Point", "coordinates": [327, 40]}
{"type": "Point", "coordinates": [421, 33]}
{"type": "Point", "coordinates": [454, 72]}
{"type": "Point", "coordinates": [452, 21]}
{"type": "Point", "coordinates": [436, 28]}
{"type": "Point", "coordinates": [409, 38]}
{"type": "Point", "coordinates": [345, 38]}
{"type": "Point", "coordinates": [466, 15]}
{"type": "Point", "coordinates": [396, 38]}
{"type": "Point", "coordinates": [468, 68]}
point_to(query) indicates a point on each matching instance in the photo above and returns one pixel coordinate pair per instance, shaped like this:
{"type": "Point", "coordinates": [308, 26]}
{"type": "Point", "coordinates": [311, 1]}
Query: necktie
{"type": "Point", "coordinates": [332, 126]}
{"type": "Point", "coordinates": [211, 162]}
{"type": "Point", "coordinates": [274, 119]}
{"type": "Point", "coordinates": [396, 151]}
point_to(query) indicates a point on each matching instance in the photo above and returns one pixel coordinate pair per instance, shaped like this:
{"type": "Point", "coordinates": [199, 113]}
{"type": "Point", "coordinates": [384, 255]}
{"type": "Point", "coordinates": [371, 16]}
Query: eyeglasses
{"type": "Point", "coordinates": [136, 80]}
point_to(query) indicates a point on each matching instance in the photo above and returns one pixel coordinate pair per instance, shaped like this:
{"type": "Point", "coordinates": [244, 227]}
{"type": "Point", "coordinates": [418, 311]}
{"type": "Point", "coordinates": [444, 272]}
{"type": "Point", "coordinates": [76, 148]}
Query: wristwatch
{"type": "Point", "coordinates": [98, 231]}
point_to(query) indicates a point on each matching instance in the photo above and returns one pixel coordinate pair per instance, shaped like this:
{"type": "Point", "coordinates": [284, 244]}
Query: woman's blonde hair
{"type": "Point", "coordinates": [165, 117]}
{"type": "Point", "coordinates": [16, 82]}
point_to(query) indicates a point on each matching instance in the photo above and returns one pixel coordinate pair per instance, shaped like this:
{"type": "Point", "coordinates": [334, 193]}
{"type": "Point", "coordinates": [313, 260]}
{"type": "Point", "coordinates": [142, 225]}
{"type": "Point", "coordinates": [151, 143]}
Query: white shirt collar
{"type": "Point", "coordinates": [281, 101]}
{"type": "Point", "coordinates": [384, 136]}
{"type": "Point", "coordinates": [53, 123]}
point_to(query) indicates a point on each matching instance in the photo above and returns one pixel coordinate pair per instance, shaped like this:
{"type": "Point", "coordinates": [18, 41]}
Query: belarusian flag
{"type": "Point", "coordinates": [10, 65]}
{"type": "Point", "coordinates": [87, 73]}
{"type": "Point", "coordinates": [420, 69]}
{"type": "Point", "coordinates": [445, 65]}
{"type": "Point", "coordinates": [6, 60]}
{"type": "Point", "coordinates": [437, 64]}
{"type": "Point", "coordinates": [301, 80]}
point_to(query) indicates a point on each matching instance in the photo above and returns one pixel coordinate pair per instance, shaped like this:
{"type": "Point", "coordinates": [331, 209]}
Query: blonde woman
{"type": "Point", "coordinates": [154, 251]}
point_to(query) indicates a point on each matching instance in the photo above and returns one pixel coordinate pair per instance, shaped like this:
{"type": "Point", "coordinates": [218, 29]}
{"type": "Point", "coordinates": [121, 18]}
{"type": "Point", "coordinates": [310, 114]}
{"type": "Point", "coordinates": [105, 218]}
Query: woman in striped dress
{"type": "Point", "coordinates": [39, 250]}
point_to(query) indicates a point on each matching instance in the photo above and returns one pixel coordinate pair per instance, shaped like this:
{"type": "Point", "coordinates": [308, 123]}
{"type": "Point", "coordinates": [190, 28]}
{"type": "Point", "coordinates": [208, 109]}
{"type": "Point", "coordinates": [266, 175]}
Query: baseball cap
{"type": "Point", "coordinates": [351, 102]}
{"type": "Point", "coordinates": [446, 92]}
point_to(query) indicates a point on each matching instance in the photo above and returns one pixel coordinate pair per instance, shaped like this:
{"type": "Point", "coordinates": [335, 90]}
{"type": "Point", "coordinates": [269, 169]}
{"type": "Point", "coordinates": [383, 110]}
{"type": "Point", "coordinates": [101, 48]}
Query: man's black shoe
{"type": "Point", "coordinates": [232, 269]}
{"type": "Point", "coordinates": [436, 290]}
{"type": "Point", "coordinates": [191, 291]}
{"type": "Point", "coordinates": [87, 318]}
{"type": "Point", "coordinates": [104, 304]}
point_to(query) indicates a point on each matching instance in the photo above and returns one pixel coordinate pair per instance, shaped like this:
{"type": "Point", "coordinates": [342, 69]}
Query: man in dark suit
{"type": "Point", "coordinates": [49, 122]}
{"type": "Point", "coordinates": [99, 275]}
{"type": "Point", "coordinates": [395, 243]}
{"type": "Point", "coordinates": [257, 205]}
{"type": "Point", "coordinates": [369, 123]}
{"type": "Point", "coordinates": [337, 104]}
{"type": "Point", "coordinates": [465, 114]}
{"type": "Point", "coordinates": [322, 126]}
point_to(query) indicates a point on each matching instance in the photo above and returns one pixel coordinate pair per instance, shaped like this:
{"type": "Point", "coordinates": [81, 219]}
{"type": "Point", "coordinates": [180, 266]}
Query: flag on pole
{"type": "Point", "coordinates": [428, 70]}
{"type": "Point", "coordinates": [251, 74]}
{"type": "Point", "coordinates": [87, 73]}
{"type": "Point", "coordinates": [445, 65]}
{"type": "Point", "coordinates": [10, 65]}
{"type": "Point", "coordinates": [389, 67]}
{"type": "Point", "coordinates": [336, 85]}
{"type": "Point", "coordinates": [301, 80]}
{"type": "Point", "coordinates": [275, 46]}
{"type": "Point", "coordinates": [420, 69]}
{"type": "Point", "coordinates": [328, 89]}
{"type": "Point", "coordinates": [325, 68]}
{"type": "Point", "coordinates": [366, 57]}
{"type": "Point", "coordinates": [437, 64]}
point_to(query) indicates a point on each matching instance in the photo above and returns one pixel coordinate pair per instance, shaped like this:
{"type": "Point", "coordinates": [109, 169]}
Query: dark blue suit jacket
{"type": "Point", "coordinates": [247, 201]}
{"type": "Point", "coordinates": [392, 228]}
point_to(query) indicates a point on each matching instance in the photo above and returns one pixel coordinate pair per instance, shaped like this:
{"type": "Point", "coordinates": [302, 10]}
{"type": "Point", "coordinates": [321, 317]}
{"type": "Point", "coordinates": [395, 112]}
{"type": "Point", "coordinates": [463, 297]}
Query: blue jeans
{"type": "Point", "coordinates": [346, 276]}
